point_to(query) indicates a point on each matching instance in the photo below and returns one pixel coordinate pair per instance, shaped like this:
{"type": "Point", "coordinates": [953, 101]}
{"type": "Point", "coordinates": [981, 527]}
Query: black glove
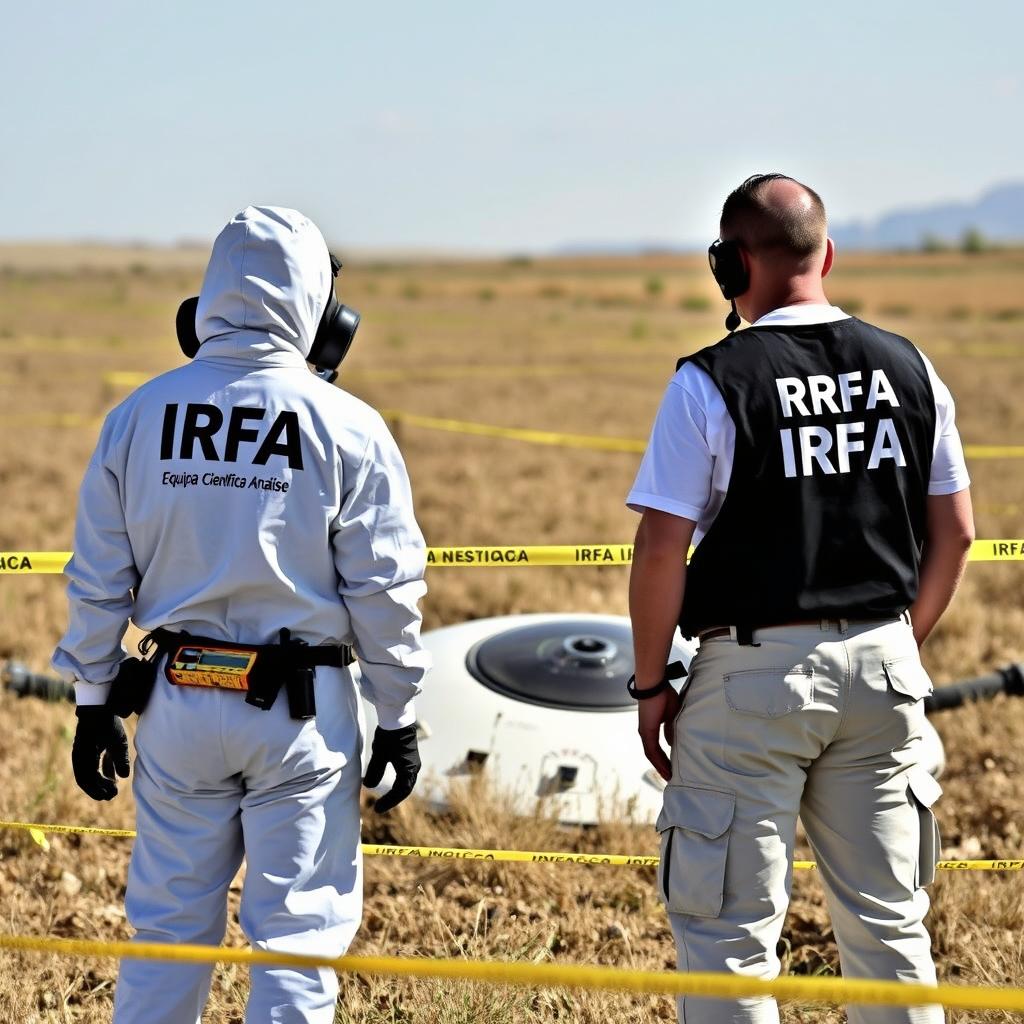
{"type": "Point", "coordinates": [397, 747]}
{"type": "Point", "coordinates": [99, 732]}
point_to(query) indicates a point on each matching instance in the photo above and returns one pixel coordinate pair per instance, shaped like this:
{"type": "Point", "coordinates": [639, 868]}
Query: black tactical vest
{"type": "Point", "coordinates": [824, 516]}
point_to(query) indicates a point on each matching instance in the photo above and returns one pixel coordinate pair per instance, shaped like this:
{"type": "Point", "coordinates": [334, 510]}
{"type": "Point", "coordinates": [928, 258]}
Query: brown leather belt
{"type": "Point", "coordinates": [717, 632]}
{"type": "Point", "coordinates": [714, 634]}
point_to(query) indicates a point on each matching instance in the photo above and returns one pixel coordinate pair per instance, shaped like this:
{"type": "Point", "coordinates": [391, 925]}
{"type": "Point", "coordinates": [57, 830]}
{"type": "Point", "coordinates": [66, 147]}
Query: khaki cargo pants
{"type": "Point", "coordinates": [823, 721]}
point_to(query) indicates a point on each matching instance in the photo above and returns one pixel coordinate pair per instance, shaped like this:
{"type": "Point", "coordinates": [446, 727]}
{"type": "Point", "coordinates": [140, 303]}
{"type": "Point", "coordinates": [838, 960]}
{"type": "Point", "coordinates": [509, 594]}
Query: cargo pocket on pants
{"type": "Point", "coordinates": [694, 825]}
{"type": "Point", "coordinates": [908, 677]}
{"type": "Point", "coordinates": [923, 791]}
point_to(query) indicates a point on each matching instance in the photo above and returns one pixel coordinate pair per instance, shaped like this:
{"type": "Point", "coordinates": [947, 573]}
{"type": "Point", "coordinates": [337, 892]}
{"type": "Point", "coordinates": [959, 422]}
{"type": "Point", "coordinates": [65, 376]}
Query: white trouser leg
{"type": "Point", "coordinates": [302, 891]}
{"type": "Point", "coordinates": [188, 849]}
{"type": "Point", "coordinates": [871, 833]}
{"type": "Point", "coordinates": [303, 883]}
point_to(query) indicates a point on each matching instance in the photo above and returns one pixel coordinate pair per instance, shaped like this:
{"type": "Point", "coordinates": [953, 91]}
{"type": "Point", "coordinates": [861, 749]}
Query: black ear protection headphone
{"type": "Point", "coordinates": [730, 273]}
{"type": "Point", "coordinates": [333, 339]}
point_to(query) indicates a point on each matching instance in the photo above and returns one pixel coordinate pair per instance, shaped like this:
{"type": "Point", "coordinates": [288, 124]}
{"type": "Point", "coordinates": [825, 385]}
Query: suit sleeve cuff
{"type": "Point", "coordinates": [396, 717]}
{"type": "Point", "coordinates": [91, 693]}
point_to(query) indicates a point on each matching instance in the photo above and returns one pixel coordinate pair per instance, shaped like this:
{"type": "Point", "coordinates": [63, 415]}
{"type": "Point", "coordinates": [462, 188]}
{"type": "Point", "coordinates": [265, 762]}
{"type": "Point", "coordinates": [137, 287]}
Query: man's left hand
{"type": "Point", "coordinates": [400, 749]}
{"type": "Point", "coordinates": [656, 713]}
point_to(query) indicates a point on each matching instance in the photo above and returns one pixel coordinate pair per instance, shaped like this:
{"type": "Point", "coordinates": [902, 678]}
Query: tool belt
{"type": "Point", "coordinates": [259, 670]}
{"type": "Point", "coordinates": [744, 634]}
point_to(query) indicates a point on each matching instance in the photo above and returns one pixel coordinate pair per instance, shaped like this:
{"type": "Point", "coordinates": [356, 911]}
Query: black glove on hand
{"type": "Point", "coordinates": [99, 732]}
{"type": "Point", "coordinates": [396, 747]}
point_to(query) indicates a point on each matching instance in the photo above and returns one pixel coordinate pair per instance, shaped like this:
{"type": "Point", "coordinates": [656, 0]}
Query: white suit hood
{"type": "Point", "coordinates": [265, 289]}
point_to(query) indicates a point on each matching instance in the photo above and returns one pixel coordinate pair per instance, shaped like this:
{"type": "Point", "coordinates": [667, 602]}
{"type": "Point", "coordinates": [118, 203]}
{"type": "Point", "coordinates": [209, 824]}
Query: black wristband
{"type": "Point", "coordinates": [676, 670]}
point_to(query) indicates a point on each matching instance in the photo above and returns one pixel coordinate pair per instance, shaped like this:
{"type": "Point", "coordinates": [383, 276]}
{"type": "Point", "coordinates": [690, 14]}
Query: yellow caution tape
{"type": "Point", "coordinates": [126, 378]}
{"type": "Point", "coordinates": [494, 371]}
{"type": "Point", "coordinates": [994, 451]}
{"type": "Point", "coordinates": [594, 442]}
{"type": "Point", "coordinates": [39, 838]}
{"type": "Point", "coordinates": [616, 979]}
{"type": "Point", "coordinates": [971, 350]}
{"type": "Point", "coordinates": [135, 378]}
{"type": "Point", "coordinates": [48, 419]}
{"type": "Point", "coordinates": [612, 444]}
{"type": "Point", "coordinates": [67, 830]}
{"type": "Point", "coordinates": [998, 508]}
{"type": "Point", "coordinates": [15, 562]}
{"type": "Point", "coordinates": [1010, 550]}
{"type": "Point", "coordinates": [544, 554]}
{"type": "Point", "coordinates": [511, 856]}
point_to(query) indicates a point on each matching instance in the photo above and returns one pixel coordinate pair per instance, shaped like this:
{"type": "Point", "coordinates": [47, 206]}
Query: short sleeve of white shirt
{"type": "Point", "coordinates": [686, 468]}
{"type": "Point", "coordinates": [949, 468]}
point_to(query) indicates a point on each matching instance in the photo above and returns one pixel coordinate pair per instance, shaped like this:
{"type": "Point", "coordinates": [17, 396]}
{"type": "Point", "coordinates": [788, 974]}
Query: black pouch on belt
{"type": "Point", "coordinates": [280, 665]}
{"type": "Point", "coordinates": [301, 693]}
{"type": "Point", "coordinates": [299, 680]}
{"type": "Point", "coordinates": [265, 678]}
{"type": "Point", "coordinates": [132, 686]}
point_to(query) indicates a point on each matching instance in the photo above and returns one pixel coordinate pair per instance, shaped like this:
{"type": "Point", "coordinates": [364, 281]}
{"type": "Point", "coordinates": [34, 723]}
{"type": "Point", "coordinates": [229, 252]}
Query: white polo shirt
{"type": "Point", "coordinates": [688, 462]}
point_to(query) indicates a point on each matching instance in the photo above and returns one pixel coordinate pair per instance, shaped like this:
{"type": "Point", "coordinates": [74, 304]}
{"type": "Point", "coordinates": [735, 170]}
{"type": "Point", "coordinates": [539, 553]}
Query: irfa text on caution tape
{"type": "Point", "coordinates": [500, 556]}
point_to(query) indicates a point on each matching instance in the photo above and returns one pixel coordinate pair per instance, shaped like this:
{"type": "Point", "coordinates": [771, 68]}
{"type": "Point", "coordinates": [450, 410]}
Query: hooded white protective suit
{"type": "Point", "coordinates": [229, 498]}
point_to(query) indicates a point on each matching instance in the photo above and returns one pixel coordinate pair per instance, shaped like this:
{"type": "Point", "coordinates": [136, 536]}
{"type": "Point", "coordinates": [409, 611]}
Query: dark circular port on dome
{"type": "Point", "coordinates": [588, 644]}
{"type": "Point", "coordinates": [590, 650]}
{"type": "Point", "coordinates": [573, 664]}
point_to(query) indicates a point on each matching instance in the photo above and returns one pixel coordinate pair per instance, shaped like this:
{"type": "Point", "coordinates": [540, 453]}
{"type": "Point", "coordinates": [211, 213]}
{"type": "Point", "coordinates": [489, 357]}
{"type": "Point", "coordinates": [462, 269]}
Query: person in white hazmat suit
{"type": "Point", "coordinates": [241, 506]}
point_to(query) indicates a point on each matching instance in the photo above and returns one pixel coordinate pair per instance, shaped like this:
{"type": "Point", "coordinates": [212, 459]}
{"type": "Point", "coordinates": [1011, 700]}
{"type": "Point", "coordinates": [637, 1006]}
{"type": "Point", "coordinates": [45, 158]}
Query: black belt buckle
{"type": "Point", "coordinates": [745, 636]}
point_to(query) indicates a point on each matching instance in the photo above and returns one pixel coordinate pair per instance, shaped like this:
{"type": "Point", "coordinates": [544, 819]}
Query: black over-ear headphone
{"type": "Point", "coordinates": [333, 339]}
{"type": "Point", "coordinates": [730, 273]}
{"type": "Point", "coordinates": [335, 333]}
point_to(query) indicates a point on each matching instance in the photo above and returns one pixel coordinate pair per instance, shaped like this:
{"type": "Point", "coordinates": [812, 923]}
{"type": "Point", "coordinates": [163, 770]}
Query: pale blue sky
{"type": "Point", "coordinates": [475, 126]}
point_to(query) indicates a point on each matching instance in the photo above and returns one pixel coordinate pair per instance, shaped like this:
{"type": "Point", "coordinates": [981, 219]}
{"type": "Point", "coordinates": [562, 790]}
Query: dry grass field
{"type": "Point", "coordinates": [584, 346]}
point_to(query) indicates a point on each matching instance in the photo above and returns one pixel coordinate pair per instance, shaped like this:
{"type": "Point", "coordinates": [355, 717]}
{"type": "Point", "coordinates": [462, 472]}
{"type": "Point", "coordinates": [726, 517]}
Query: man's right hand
{"type": "Point", "coordinates": [657, 713]}
{"type": "Point", "coordinates": [100, 742]}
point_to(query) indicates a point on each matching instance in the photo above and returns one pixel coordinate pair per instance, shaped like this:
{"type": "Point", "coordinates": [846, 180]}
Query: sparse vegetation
{"type": "Point", "coordinates": [973, 242]}
{"type": "Point", "coordinates": [933, 243]}
{"type": "Point", "coordinates": [57, 344]}
{"type": "Point", "coordinates": [611, 300]}
{"type": "Point", "coordinates": [896, 309]}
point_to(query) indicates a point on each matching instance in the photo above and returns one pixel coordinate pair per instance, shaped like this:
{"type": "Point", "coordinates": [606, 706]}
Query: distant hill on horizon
{"type": "Point", "coordinates": [998, 214]}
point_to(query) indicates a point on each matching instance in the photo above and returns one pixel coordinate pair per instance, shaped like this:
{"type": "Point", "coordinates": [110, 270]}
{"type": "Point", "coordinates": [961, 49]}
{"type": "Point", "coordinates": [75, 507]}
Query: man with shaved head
{"type": "Point", "coordinates": [814, 461]}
